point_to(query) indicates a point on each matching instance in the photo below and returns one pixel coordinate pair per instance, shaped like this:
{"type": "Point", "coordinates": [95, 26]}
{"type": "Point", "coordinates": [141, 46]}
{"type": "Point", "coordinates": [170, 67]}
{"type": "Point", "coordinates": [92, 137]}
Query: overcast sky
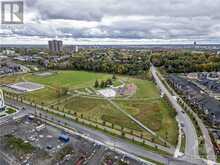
{"type": "Point", "coordinates": [116, 21]}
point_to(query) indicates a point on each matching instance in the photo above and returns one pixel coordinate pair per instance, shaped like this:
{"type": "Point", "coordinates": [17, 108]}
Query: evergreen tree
{"type": "Point", "coordinates": [109, 82]}
{"type": "Point", "coordinates": [114, 77]}
{"type": "Point", "coordinates": [96, 84]}
{"type": "Point", "coordinates": [102, 85]}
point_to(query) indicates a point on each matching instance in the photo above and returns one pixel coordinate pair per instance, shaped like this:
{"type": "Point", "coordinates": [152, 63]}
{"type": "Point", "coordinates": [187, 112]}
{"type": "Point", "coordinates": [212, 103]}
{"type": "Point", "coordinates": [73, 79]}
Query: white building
{"type": "Point", "coordinates": [2, 102]}
{"type": "Point", "coordinates": [76, 48]}
{"type": "Point", "coordinates": [8, 52]}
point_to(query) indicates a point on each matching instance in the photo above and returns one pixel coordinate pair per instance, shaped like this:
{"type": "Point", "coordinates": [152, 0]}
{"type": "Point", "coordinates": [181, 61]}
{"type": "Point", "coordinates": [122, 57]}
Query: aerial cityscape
{"type": "Point", "coordinates": [106, 82]}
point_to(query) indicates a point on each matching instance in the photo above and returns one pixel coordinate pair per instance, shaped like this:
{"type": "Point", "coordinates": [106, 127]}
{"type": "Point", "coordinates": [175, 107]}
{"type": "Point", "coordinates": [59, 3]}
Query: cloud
{"type": "Point", "coordinates": [97, 9]}
{"type": "Point", "coordinates": [124, 19]}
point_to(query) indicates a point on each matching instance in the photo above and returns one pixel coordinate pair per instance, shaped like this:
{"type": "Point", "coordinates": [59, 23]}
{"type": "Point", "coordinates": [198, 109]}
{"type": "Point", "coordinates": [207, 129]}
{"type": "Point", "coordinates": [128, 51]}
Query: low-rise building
{"type": "Point", "coordinates": [198, 99]}
{"type": "Point", "coordinates": [9, 68]}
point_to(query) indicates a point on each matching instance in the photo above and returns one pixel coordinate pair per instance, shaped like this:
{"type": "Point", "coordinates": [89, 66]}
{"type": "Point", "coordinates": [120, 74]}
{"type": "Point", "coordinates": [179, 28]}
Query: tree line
{"type": "Point", "coordinates": [106, 61]}
{"type": "Point", "coordinates": [185, 62]}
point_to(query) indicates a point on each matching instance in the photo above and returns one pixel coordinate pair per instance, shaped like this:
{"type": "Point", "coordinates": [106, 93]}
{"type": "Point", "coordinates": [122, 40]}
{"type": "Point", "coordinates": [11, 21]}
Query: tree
{"type": "Point", "coordinates": [102, 85]}
{"type": "Point", "coordinates": [61, 91]}
{"type": "Point", "coordinates": [96, 84]}
{"type": "Point", "coordinates": [114, 77]}
{"type": "Point", "coordinates": [109, 82]}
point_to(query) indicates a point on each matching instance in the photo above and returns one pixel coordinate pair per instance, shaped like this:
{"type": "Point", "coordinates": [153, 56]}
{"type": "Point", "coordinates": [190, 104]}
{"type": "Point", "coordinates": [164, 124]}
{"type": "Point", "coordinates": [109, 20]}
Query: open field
{"type": "Point", "coordinates": [145, 88]}
{"type": "Point", "coordinates": [9, 79]}
{"type": "Point", "coordinates": [70, 79]}
{"type": "Point", "coordinates": [155, 113]}
{"type": "Point", "coordinates": [97, 109]}
{"type": "Point", "coordinates": [46, 95]}
{"type": "Point", "coordinates": [76, 80]}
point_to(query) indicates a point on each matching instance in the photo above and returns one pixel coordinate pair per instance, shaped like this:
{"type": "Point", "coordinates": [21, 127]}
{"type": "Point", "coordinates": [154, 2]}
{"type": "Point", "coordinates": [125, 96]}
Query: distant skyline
{"type": "Point", "coordinates": [116, 22]}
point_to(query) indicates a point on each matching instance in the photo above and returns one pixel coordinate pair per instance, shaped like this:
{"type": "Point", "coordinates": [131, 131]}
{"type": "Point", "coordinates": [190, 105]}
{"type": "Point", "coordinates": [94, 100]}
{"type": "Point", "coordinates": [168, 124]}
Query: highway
{"type": "Point", "coordinates": [117, 143]}
{"type": "Point", "coordinates": [191, 147]}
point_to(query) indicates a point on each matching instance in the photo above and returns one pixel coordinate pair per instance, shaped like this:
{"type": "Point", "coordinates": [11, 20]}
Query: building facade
{"type": "Point", "coordinates": [200, 101]}
{"type": "Point", "coordinates": [55, 45]}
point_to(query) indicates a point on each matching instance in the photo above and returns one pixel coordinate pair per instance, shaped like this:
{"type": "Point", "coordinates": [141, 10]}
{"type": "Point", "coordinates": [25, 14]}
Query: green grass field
{"type": "Point", "coordinates": [70, 79]}
{"type": "Point", "coordinates": [145, 88]}
{"type": "Point", "coordinates": [155, 113]}
{"type": "Point", "coordinates": [98, 109]}
{"type": "Point", "coordinates": [9, 80]}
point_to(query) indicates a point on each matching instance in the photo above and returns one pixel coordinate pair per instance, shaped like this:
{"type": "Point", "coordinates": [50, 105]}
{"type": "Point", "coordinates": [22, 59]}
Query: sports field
{"type": "Point", "coordinates": [70, 79]}
{"type": "Point", "coordinates": [145, 104]}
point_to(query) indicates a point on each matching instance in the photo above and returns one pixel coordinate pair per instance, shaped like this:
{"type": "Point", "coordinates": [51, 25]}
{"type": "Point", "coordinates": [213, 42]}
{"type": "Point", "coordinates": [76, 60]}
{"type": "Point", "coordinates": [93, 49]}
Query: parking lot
{"type": "Point", "coordinates": [46, 145]}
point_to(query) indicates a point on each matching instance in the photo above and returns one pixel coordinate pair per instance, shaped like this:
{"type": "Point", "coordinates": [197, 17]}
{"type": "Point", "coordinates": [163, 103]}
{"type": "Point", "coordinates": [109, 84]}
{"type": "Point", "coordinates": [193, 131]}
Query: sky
{"type": "Point", "coordinates": [116, 22]}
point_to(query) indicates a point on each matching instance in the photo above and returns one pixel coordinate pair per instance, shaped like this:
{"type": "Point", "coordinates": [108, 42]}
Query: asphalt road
{"type": "Point", "coordinates": [191, 147]}
{"type": "Point", "coordinates": [208, 142]}
{"type": "Point", "coordinates": [118, 143]}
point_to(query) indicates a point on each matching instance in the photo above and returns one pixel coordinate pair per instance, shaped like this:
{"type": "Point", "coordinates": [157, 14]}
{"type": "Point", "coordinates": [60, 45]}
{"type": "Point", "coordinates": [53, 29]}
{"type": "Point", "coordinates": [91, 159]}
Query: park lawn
{"type": "Point", "coordinates": [46, 95]}
{"type": "Point", "coordinates": [99, 109]}
{"type": "Point", "coordinates": [9, 79]}
{"type": "Point", "coordinates": [156, 115]}
{"type": "Point", "coordinates": [145, 88]}
{"type": "Point", "coordinates": [70, 79]}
